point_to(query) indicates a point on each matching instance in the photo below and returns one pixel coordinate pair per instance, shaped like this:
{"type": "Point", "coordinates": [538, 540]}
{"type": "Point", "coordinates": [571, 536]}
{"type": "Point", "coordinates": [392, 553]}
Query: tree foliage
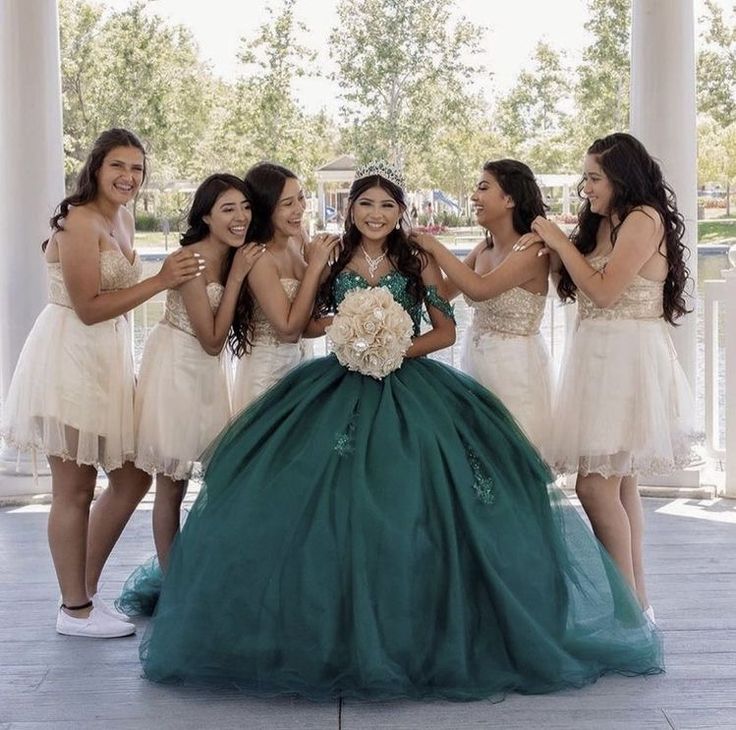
{"type": "Point", "coordinates": [404, 68]}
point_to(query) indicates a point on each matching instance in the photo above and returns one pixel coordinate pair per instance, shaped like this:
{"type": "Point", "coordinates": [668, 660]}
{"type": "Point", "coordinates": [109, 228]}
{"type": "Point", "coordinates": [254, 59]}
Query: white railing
{"type": "Point", "coordinates": [719, 315]}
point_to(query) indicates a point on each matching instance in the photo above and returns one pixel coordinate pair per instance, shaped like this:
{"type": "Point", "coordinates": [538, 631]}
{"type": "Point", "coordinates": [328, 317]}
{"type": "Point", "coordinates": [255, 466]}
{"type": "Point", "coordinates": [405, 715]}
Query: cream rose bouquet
{"type": "Point", "coordinates": [371, 332]}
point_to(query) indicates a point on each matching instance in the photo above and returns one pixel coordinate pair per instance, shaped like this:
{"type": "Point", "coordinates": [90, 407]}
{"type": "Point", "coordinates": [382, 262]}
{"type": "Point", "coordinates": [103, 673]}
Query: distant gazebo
{"type": "Point", "coordinates": [333, 184]}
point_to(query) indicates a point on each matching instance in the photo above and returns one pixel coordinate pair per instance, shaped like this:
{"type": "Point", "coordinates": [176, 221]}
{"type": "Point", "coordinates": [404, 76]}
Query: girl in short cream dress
{"type": "Point", "coordinates": [71, 397]}
{"type": "Point", "coordinates": [182, 400]}
{"type": "Point", "coordinates": [276, 304]}
{"type": "Point", "coordinates": [507, 291]}
{"type": "Point", "coordinates": [623, 407]}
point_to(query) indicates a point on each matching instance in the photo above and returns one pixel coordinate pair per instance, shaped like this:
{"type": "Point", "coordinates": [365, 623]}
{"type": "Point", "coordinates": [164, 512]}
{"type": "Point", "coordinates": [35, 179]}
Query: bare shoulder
{"type": "Point", "coordinates": [81, 219]}
{"type": "Point", "coordinates": [643, 219]}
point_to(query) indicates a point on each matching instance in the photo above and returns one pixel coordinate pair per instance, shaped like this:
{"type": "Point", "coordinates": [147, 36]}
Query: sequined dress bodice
{"type": "Point", "coordinates": [397, 284]}
{"type": "Point", "coordinates": [175, 313]}
{"type": "Point", "coordinates": [515, 312]}
{"type": "Point", "coordinates": [263, 331]}
{"type": "Point", "coordinates": [642, 299]}
{"type": "Point", "coordinates": [116, 272]}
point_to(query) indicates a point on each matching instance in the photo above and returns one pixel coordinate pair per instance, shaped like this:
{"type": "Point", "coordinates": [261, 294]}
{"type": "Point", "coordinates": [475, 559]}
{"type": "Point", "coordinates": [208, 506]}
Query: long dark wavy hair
{"type": "Point", "coordinates": [637, 180]}
{"type": "Point", "coordinates": [517, 180]}
{"type": "Point", "coordinates": [264, 184]}
{"type": "Point", "coordinates": [204, 200]}
{"type": "Point", "coordinates": [86, 187]}
{"type": "Point", "coordinates": [402, 251]}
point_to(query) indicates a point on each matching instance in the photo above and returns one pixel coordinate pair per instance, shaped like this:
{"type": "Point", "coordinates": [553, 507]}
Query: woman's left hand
{"type": "Point", "coordinates": [552, 235]}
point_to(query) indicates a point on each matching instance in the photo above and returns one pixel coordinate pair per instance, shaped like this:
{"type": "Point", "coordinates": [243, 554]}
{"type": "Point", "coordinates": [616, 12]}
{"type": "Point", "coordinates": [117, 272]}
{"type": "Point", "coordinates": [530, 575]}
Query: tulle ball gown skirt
{"type": "Point", "coordinates": [393, 538]}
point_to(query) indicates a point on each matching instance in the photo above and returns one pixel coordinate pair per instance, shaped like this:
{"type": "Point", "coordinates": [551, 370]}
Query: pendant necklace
{"type": "Point", "coordinates": [373, 263]}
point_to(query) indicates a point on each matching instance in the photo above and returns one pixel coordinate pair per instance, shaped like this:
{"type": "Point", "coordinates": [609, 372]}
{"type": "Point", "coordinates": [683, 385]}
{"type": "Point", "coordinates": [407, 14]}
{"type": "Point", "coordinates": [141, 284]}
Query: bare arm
{"type": "Point", "coordinates": [443, 331]}
{"type": "Point", "coordinates": [79, 254]}
{"type": "Point", "coordinates": [211, 328]}
{"type": "Point", "coordinates": [289, 319]}
{"type": "Point", "coordinates": [638, 240]}
{"type": "Point", "coordinates": [449, 289]}
{"type": "Point", "coordinates": [517, 269]}
{"type": "Point", "coordinates": [316, 327]}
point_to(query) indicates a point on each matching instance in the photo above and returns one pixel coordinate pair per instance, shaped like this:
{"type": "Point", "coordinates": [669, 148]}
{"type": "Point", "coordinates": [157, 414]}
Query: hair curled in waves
{"type": "Point", "coordinates": [264, 184]}
{"type": "Point", "coordinates": [637, 180]}
{"type": "Point", "coordinates": [403, 253]}
{"type": "Point", "coordinates": [86, 186]}
{"type": "Point", "coordinates": [517, 180]}
{"type": "Point", "coordinates": [203, 202]}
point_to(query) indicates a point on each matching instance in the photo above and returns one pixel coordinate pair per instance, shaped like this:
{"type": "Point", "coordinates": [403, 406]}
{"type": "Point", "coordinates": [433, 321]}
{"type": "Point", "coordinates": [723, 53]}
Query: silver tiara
{"type": "Point", "coordinates": [383, 169]}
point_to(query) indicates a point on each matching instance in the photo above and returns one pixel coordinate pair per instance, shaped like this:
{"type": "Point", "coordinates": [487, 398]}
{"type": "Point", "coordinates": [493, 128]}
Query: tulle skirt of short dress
{"type": "Point", "coordinates": [181, 402]}
{"type": "Point", "coordinates": [517, 370]}
{"type": "Point", "coordinates": [624, 405]}
{"type": "Point", "coordinates": [263, 367]}
{"type": "Point", "coordinates": [72, 391]}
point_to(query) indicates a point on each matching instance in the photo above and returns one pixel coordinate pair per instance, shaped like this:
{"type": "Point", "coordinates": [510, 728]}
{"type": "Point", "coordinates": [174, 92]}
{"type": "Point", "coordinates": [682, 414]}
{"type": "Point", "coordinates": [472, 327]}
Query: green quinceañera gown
{"type": "Point", "coordinates": [388, 538]}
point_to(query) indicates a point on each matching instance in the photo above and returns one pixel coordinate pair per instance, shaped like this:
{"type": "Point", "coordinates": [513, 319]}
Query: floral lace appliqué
{"type": "Point", "coordinates": [345, 440]}
{"type": "Point", "coordinates": [483, 485]}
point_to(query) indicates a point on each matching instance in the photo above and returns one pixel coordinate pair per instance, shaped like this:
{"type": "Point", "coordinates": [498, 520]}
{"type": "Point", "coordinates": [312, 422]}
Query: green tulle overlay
{"type": "Point", "coordinates": [396, 538]}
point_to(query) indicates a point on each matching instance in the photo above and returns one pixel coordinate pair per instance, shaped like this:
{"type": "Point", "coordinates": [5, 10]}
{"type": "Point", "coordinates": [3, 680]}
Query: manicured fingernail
{"type": "Point", "coordinates": [197, 255]}
{"type": "Point", "coordinates": [199, 273]}
{"type": "Point", "coordinates": [540, 252]}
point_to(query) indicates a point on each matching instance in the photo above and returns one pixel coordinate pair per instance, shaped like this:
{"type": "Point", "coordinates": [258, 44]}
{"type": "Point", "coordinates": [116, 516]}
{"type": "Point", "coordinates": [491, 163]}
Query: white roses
{"type": "Point", "coordinates": [371, 332]}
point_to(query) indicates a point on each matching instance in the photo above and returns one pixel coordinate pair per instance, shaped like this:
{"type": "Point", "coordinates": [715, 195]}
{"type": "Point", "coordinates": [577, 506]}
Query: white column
{"type": "Point", "coordinates": [32, 179]}
{"type": "Point", "coordinates": [663, 117]}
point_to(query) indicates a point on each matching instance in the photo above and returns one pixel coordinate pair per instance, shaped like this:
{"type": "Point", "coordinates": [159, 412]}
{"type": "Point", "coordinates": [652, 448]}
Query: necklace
{"type": "Point", "coordinates": [373, 263]}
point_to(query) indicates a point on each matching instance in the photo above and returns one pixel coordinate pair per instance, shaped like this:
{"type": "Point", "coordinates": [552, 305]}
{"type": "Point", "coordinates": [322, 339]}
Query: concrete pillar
{"type": "Point", "coordinates": [31, 184]}
{"type": "Point", "coordinates": [663, 117]}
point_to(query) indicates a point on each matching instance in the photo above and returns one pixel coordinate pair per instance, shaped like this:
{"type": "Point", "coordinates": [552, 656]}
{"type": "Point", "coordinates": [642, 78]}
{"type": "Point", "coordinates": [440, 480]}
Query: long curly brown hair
{"type": "Point", "coordinates": [402, 251]}
{"type": "Point", "coordinates": [637, 180]}
{"type": "Point", "coordinates": [86, 187]}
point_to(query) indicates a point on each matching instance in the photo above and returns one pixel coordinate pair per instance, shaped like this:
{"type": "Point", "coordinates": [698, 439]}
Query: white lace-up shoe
{"type": "Point", "coordinates": [107, 609]}
{"type": "Point", "coordinates": [97, 625]}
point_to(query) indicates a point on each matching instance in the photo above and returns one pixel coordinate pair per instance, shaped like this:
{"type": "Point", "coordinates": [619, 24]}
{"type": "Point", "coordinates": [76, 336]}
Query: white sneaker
{"type": "Point", "coordinates": [107, 609]}
{"type": "Point", "coordinates": [97, 625]}
{"type": "Point", "coordinates": [649, 613]}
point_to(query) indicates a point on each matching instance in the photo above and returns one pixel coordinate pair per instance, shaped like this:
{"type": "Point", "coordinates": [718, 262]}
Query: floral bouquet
{"type": "Point", "coordinates": [371, 332]}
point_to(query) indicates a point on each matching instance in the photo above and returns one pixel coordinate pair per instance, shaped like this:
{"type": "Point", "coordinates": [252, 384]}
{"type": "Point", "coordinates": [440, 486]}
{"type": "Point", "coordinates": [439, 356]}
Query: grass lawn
{"type": "Point", "coordinates": [716, 230]}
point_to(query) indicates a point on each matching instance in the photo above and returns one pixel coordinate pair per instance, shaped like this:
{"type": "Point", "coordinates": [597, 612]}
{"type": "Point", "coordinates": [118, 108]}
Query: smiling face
{"type": "Point", "coordinates": [375, 213]}
{"type": "Point", "coordinates": [597, 187]}
{"type": "Point", "coordinates": [229, 218]}
{"type": "Point", "coordinates": [489, 200]}
{"type": "Point", "coordinates": [121, 174]}
{"type": "Point", "coordinates": [289, 211]}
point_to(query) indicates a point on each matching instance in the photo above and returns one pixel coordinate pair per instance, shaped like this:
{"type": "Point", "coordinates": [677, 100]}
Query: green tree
{"type": "Point", "coordinates": [533, 118]}
{"type": "Point", "coordinates": [130, 69]}
{"type": "Point", "coordinates": [717, 65]}
{"type": "Point", "coordinates": [603, 77]}
{"type": "Point", "coordinates": [717, 156]}
{"type": "Point", "coordinates": [404, 69]}
{"type": "Point", "coordinates": [264, 121]}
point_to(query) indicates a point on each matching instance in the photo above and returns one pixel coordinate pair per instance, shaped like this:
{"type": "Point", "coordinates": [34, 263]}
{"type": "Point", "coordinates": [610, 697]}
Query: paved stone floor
{"type": "Point", "coordinates": [51, 682]}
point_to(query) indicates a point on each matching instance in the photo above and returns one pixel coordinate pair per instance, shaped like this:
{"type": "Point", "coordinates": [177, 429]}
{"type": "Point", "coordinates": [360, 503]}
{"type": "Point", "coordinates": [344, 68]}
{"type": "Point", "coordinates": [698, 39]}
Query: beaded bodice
{"type": "Point", "coordinates": [116, 272]}
{"type": "Point", "coordinates": [396, 283]}
{"type": "Point", "coordinates": [642, 299]}
{"type": "Point", "coordinates": [263, 331]}
{"type": "Point", "coordinates": [513, 312]}
{"type": "Point", "coordinates": [175, 313]}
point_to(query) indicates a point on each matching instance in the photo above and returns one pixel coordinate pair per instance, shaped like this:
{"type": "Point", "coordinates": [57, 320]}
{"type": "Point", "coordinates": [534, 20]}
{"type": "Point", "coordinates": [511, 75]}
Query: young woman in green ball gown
{"type": "Point", "coordinates": [388, 538]}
